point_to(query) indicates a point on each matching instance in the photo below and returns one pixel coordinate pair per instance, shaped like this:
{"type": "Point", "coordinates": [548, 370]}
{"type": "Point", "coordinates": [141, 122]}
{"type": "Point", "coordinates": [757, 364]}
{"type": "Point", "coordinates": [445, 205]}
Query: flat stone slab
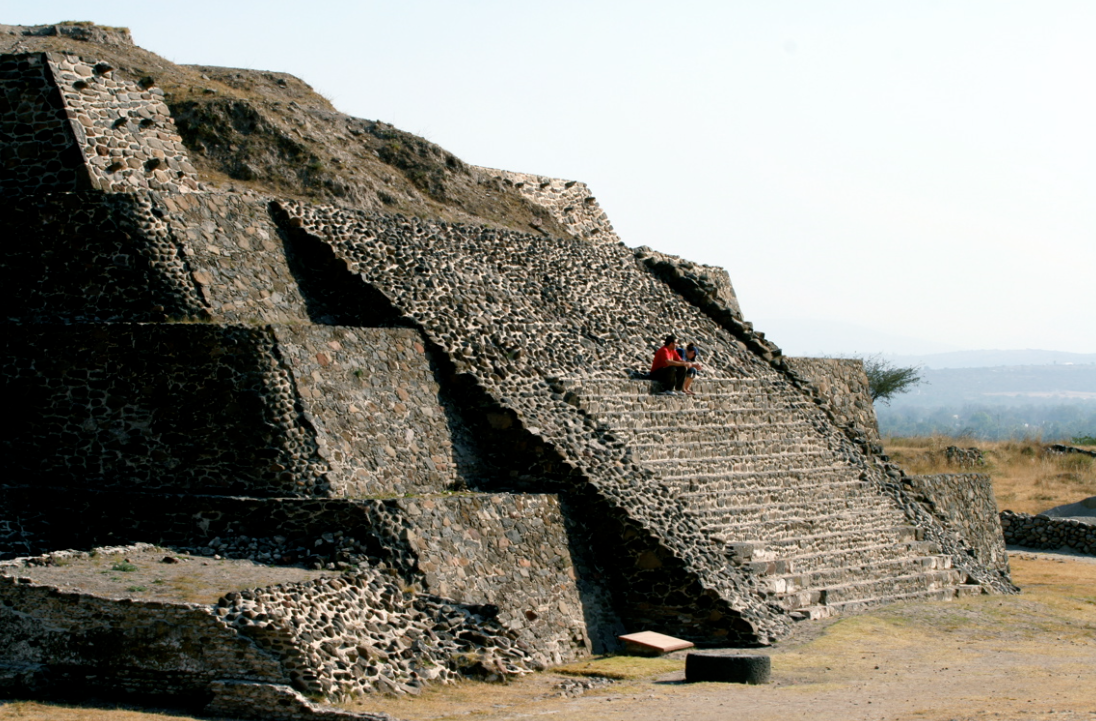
{"type": "Point", "coordinates": [651, 643]}
{"type": "Point", "coordinates": [727, 668]}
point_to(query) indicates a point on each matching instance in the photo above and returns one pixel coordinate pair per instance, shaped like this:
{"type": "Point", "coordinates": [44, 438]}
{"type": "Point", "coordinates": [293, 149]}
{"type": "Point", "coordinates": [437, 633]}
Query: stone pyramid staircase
{"type": "Point", "coordinates": [755, 473]}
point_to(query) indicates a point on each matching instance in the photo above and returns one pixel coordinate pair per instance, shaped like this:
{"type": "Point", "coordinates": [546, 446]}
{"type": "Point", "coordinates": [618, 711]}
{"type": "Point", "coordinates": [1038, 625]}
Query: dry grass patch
{"type": "Point", "coordinates": [1026, 477]}
{"type": "Point", "coordinates": [34, 711]}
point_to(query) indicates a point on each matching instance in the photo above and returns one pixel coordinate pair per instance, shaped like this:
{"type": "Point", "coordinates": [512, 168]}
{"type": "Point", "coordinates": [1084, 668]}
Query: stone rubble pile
{"type": "Point", "coordinates": [965, 457]}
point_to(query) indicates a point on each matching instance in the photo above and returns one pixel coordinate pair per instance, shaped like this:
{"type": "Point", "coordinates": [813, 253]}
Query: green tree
{"type": "Point", "coordinates": [887, 380]}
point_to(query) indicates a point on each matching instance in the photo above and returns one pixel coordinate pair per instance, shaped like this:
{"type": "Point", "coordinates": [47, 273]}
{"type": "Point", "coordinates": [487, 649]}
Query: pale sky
{"type": "Point", "coordinates": [876, 176]}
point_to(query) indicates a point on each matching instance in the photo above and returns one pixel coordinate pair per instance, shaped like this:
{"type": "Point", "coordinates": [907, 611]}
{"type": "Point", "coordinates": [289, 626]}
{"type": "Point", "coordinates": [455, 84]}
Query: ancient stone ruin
{"type": "Point", "coordinates": [439, 420]}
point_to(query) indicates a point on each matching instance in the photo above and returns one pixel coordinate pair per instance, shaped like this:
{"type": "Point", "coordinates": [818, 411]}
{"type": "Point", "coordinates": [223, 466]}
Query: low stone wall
{"type": "Point", "coordinates": [965, 504]}
{"type": "Point", "coordinates": [844, 384]}
{"type": "Point", "coordinates": [145, 648]}
{"type": "Point", "coordinates": [86, 32]}
{"type": "Point", "coordinates": [570, 202]}
{"type": "Point", "coordinates": [1022, 529]}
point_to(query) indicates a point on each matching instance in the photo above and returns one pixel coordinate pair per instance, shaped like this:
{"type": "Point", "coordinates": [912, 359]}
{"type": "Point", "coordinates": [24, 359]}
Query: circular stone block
{"type": "Point", "coordinates": [726, 668]}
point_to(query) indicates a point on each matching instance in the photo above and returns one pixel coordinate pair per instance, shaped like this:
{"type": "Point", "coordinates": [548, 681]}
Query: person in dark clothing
{"type": "Point", "coordinates": [692, 355]}
{"type": "Point", "coordinates": [668, 368]}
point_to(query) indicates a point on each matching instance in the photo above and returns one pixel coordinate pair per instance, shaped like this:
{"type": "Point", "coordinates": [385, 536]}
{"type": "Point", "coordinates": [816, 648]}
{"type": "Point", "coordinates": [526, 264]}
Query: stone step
{"type": "Point", "coordinates": [806, 480]}
{"type": "Point", "coordinates": [674, 419]}
{"type": "Point", "coordinates": [798, 476]}
{"type": "Point", "coordinates": [791, 431]}
{"type": "Point", "coordinates": [939, 594]}
{"type": "Point", "coordinates": [724, 446]}
{"type": "Point", "coordinates": [822, 578]}
{"type": "Point", "coordinates": [765, 492]}
{"type": "Point", "coordinates": [784, 530]}
{"type": "Point", "coordinates": [795, 507]}
{"type": "Point", "coordinates": [779, 528]}
{"type": "Point", "coordinates": [882, 588]}
{"type": "Point", "coordinates": [773, 549]}
{"type": "Point", "coordinates": [738, 462]}
{"type": "Point", "coordinates": [695, 404]}
{"type": "Point", "coordinates": [607, 387]}
{"type": "Point", "coordinates": [838, 560]}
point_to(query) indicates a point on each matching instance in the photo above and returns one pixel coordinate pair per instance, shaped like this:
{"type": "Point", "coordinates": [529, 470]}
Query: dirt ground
{"type": "Point", "coordinates": [159, 574]}
{"type": "Point", "coordinates": [1028, 656]}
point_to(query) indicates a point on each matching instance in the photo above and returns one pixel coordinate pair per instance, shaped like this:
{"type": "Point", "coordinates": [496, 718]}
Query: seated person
{"type": "Point", "coordinates": [692, 355]}
{"type": "Point", "coordinates": [668, 368]}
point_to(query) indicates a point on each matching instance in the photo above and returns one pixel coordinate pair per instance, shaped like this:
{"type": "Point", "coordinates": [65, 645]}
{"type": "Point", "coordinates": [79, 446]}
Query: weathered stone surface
{"type": "Point", "coordinates": [966, 505]}
{"type": "Point", "coordinates": [843, 383]}
{"type": "Point", "coordinates": [1030, 531]}
{"type": "Point", "coordinates": [114, 137]}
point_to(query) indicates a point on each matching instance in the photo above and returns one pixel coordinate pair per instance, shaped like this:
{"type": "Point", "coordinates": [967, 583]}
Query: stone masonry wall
{"type": "Point", "coordinates": [40, 148]}
{"type": "Point", "coordinates": [123, 132]}
{"type": "Point", "coordinates": [844, 384]}
{"type": "Point", "coordinates": [192, 408]}
{"type": "Point", "coordinates": [283, 410]}
{"type": "Point", "coordinates": [965, 503]}
{"type": "Point", "coordinates": [1030, 531]}
{"type": "Point", "coordinates": [568, 201]}
{"type": "Point", "coordinates": [513, 322]}
{"type": "Point", "coordinates": [335, 637]}
{"type": "Point", "coordinates": [510, 552]}
{"type": "Point", "coordinates": [62, 639]}
{"type": "Point", "coordinates": [94, 258]}
{"type": "Point", "coordinates": [371, 396]}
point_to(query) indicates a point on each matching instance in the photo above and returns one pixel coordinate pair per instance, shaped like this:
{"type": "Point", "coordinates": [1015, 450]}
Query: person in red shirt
{"type": "Point", "coordinates": [668, 368]}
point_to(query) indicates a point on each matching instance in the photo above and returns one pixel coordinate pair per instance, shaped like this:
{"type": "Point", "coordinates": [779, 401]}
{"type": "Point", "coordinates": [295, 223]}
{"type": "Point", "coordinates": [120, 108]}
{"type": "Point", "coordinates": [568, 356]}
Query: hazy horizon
{"type": "Point", "coordinates": [923, 172]}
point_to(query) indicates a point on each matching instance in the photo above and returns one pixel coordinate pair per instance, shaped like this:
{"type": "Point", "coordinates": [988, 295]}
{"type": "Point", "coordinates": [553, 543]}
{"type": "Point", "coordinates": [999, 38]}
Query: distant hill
{"type": "Point", "coordinates": [1003, 385]}
{"type": "Point", "coordinates": [993, 358]}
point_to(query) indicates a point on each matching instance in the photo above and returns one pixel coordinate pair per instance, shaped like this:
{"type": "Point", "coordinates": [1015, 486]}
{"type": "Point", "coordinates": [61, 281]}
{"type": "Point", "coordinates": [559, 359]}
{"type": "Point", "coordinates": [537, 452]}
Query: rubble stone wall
{"type": "Point", "coordinates": [336, 637]}
{"type": "Point", "coordinates": [193, 408]}
{"type": "Point", "coordinates": [70, 110]}
{"type": "Point", "coordinates": [1030, 531]}
{"type": "Point", "coordinates": [965, 503]}
{"type": "Point", "coordinates": [285, 410]}
{"type": "Point", "coordinates": [40, 148]}
{"type": "Point", "coordinates": [844, 384]}
{"type": "Point", "coordinates": [570, 202]}
{"type": "Point", "coordinates": [94, 258]}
